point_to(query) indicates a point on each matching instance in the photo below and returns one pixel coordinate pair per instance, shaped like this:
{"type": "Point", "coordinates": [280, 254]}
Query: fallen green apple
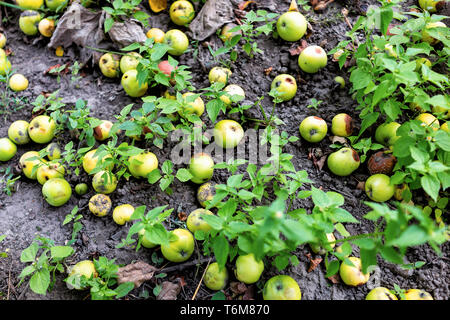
{"type": "Point", "coordinates": [56, 4]}
{"type": "Point", "coordinates": [27, 165]}
{"type": "Point", "coordinates": [291, 26]}
{"type": "Point", "coordinates": [53, 151]}
{"type": "Point", "coordinates": [30, 4]}
{"type": "Point", "coordinates": [181, 12]}
{"type": "Point", "coordinates": [197, 106]}
{"type": "Point", "coordinates": [100, 204]}
{"type": "Point", "coordinates": [85, 269]}
{"type": "Point", "coordinates": [417, 294]}
{"type": "Point", "coordinates": [342, 125]}
{"type": "Point", "coordinates": [215, 278]}
{"type": "Point", "coordinates": [196, 222]}
{"type": "Point", "coordinates": [177, 41]}
{"type": "Point", "coordinates": [42, 129]}
{"type": "Point", "coordinates": [219, 74]}
{"type": "Point", "coordinates": [90, 161]}
{"type": "Point", "coordinates": [381, 293]}
{"type": "Point", "coordinates": [18, 132]}
{"type": "Point", "coordinates": [131, 84]}
{"type": "Point", "coordinates": [129, 61]}
{"type": "Point", "coordinates": [109, 65]}
{"type": "Point", "coordinates": [313, 129]}
{"type": "Point", "coordinates": [122, 214]}
{"type": "Point", "coordinates": [228, 134]}
{"type": "Point", "coordinates": [28, 22]}
{"type": "Point", "coordinates": [285, 85]}
{"type": "Point", "coordinates": [282, 287]}
{"type": "Point", "coordinates": [248, 270]}
{"type": "Point", "coordinates": [18, 82]}
{"type": "Point", "coordinates": [180, 249]}
{"type": "Point", "coordinates": [234, 93]}
{"type": "Point", "coordinates": [386, 133]}
{"type": "Point", "coordinates": [205, 193]}
{"type": "Point", "coordinates": [201, 168]}
{"type": "Point", "coordinates": [56, 191]}
{"type": "Point", "coordinates": [142, 164]}
{"type": "Point", "coordinates": [7, 149]}
{"type": "Point", "coordinates": [343, 162]}
{"type": "Point", "coordinates": [353, 275]}
{"type": "Point", "coordinates": [379, 188]}
{"type": "Point", "coordinates": [312, 59]}
{"type": "Point", "coordinates": [49, 171]}
{"type": "Point", "coordinates": [81, 189]}
{"type": "Point", "coordinates": [104, 182]}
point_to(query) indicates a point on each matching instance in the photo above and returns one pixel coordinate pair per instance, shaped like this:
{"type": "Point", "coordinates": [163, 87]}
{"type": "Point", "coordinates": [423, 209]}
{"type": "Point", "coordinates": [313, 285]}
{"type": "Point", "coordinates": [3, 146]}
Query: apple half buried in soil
{"type": "Point", "coordinates": [312, 59]}
{"type": "Point", "coordinates": [285, 85]}
{"type": "Point", "coordinates": [181, 249]}
{"type": "Point", "coordinates": [201, 168]}
{"type": "Point", "coordinates": [343, 162]}
{"type": "Point", "coordinates": [215, 278]}
{"type": "Point", "coordinates": [42, 129]}
{"type": "Point", "coordinates": [142, 164]}
{"type": "Point", "coordinates": [313, 129]}
{"type": "Point", "coordinates": [342, 125]}
{"type": "Point", "coordinates": [381, 293]}
{"type": "Point", "coordinates": [56, 191]}
{"type": "Point", "coordinates": [100, 205]}
{"type": "Point", "coordinates": [228, 133]}
{"type": "Point", "coordinates": [131, 84]}
{"type": "Point", "coordinates": [7, 149]}
{"type": "Point", "coordinates": [196, 222]}
{"type": "Point", "coordinates": [181, 12]}
{"type": "Point", "coordinates": [248, 270]}
{"type": "Point", "coordinates": [379, 188]}
{"type": "Point", "coordinates": [282, 287]}
{"type": "Point", "coordinates": [353, 275]}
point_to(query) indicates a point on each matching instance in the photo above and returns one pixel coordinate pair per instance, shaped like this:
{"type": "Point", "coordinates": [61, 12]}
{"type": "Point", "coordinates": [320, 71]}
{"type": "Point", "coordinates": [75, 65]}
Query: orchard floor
{"type": "Point", "coordinates": [25, 214]}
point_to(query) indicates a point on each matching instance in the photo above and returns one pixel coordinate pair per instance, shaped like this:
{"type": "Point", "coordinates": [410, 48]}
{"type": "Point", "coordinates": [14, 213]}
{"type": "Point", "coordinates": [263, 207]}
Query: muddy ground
{"type": "Point", "coordinates": [25, 214]}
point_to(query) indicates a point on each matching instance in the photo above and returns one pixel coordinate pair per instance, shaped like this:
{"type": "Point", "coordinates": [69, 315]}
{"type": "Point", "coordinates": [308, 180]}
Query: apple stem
{"type": "Point", "coordinates": [360, 236]}
{"type": "Point", "coordinates": [11, 5]}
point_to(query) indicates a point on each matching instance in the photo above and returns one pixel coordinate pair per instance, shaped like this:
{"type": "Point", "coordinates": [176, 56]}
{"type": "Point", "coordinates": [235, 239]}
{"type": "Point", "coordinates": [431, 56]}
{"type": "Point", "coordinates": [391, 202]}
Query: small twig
{"type": "Point", "coordinates": [183, 266]}
{"type": "Point", "coordinates": [201, 280]}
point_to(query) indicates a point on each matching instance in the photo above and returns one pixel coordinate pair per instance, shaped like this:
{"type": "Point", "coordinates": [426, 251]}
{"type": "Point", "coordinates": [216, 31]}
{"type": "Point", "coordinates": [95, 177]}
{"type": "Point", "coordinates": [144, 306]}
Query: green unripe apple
{"type": "Point", "coordinates": [42, 129]}
{"type": "Point", "coordinates": [129, 61]}
{"type": "Point", "coordinates": [343, 162]}
{"type": "Point", "coordinates": [81, 189]}
{"type": "Point", "coordinates": [56, 191]}
{"type": "Point", "coordinates": [109, 65]}
{"type": "Point", "coordinates": [201, 168]}
{"type": "Point", "coordinates": [282, 287]}
{"type": "Point", "coordinates": [228, 134]}
{"type": "Point", "coordinates": [342, 125]}
{"type": "Point", "coordinates": [49, 171]}
{"type": "Point", "coordinates": [2, 42]}
{"type": "Point", "coordinates": [177, 40]}
{"type": "Point", "coordinates": [386, 133]}
{"type": "Point", "coordinates": [18, 132]}
{"type": "Point", "coordinates": [232, 90]}
{"type": "Point", "coordinates": [7, 149]}
{"type": "Point", "coordinates": [197, 106]}
{"type": "Point", "coordinates": [145, 242]}
{"type": "Point", "coordinates": [53, 151]}
{"type": "Point", "coordinates": [215, 279]}
{"type": "Point", "coordinates": [291, 26]}
{"type": "Point", "coordinates": [312, 59]}
{"type": "Point", "coordinates": [181, 249]}
{"type": "Point", "coordinates": [380, 293]}
{"type": "Point", "coordinates": [285, 85]}
{"type": "Point", "coordinates": [55, 4]}
{"type": "Point", "coordinates": [27, 165]}
{"type": "Point", "coordinates": [313, 129]}
{"type": "Point", "coordinates": [142, 164]}
{"type": "Point", "coordinates": [379, 188]}
{"type": "Point", "coordinates": [5, 65]}
{"type": "Point", "coordinates": [30, 4]}
{"type": "Point", "coordinates": [181, 12]}
{"type": "Point", "coordinates": [353, 275]}
{"type": "Point", "coordinates": [122, 214]}
{"type": "Point", "coordinates": [219, 74]}
{"type": "Point", "coordinates": [248, 270]}
{"type": "Point", "coordinates": [417, 294]}
{"type": "Point", "coordinates": [29, 21]}
{"type": "Point", "coordinates": [205, 193]}
{"type": "Point", "coordinates": [196, 222]}
{"type": "Point", "coordinates": [131, 84]}
{"type": "Point", "coordinates": [104, 182]}
{"type": "Point", "coordinates": [426, 37]}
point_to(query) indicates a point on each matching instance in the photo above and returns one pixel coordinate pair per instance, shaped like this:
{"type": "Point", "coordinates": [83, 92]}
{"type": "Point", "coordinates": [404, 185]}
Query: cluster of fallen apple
{"type": "Point", "coordinates": [291, 26]}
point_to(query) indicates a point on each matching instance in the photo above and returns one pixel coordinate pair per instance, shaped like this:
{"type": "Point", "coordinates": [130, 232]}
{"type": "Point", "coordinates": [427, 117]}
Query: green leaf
{"type": "Point", "coordinates": [414, 235]}
{"type": "Point", "coordinates": [61, 252]}
{"type": "Point", "coordinates": [332, 268]}
{"type": "Point", "coordinates": [154, 176]}
{"type": "Point", "coordinates": [221, 249]}
{"type": "Point", "coordinates": [108, 24]}
{"type": "Point", "coordinates": [184, 175]}
{"type": "Point", "coordinates": [29, 254]}
{"type": "Point", "coordinates": [123, 289]}
{"type": "Point", "coordinates": [386, 15]}
{"type": "Point", "coordinates": [40, 281]}
{"type": "Point", "coordinates": [342, 215]}
{"type": "Point", "coordinates": [431, 186]}
{"type": "Point", "coordinates": [391, 255]}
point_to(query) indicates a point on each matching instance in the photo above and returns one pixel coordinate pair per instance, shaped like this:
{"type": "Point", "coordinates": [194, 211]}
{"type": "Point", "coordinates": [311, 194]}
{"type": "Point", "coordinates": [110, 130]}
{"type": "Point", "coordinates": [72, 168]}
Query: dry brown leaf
{"type": "Point", "coordinates": [244, 4]}
{"type": "Point", "coordinates": [157, 5]}
{"type": "Point", "coordinates": [268, 70]}
{"type": "Point", "coordinates": [361, 185]}
{"type": "Point", "coordinates": [334, 278]}
{"type": "Point", "coordinates": [249, 294]}
{"type": "Point", "coordinates": [238, 287]}
{"type": "Point", "coordinates": [296, 50]}
{"type": "Point", "coordinates": [182, 216]}
{"type": "Point", "coordinates": [314, 263]}
{"type": "Point", "coordinates": [137, 272]}
{"type": "Point", "coordinates": [169, 291]}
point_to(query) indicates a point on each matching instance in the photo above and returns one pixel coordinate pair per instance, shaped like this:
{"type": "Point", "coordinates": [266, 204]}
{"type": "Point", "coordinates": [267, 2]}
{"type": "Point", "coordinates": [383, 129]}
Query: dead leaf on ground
{"type": "Point", "coordinates": [321, 5]}
{"type": "Point", "coordinates": [238, 288]}
{"type": "Point", "coordinates": [334, 278]}
{"type": "Point", "coordinates": [296, 50]}
{"type": "Point", "coordinates": [157, 5]}
{"type": "Point", "coordinates": [182, 216]}
{"type": "Point", "coordinates": [268, 70]}
{"type": "Point", "coordinates": [361, 185]}
{"type": "Point", "coordinates": [314, 263]}
{"type": "Point", "coordinates": [244, 4]}
{"type": "Point", "coordinates": [169, 290]}
{"type": "Point", "coordinates": [137, 273]}
{"type": "Point", "coordinates": [249, 293]}
{"type": "Point", "coordinates": [341, 140]}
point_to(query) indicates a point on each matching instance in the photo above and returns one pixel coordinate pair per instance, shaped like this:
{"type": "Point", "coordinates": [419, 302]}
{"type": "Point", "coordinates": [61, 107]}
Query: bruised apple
{"type": "Point", "coordinates": [228, 133]}
{"type": "Point", "coordinates": [285, 85]}
{"type": "Point", "coordinates": [313, 129]}
{"type": "Point", "coordinates": [42, 129]}
{"type": "Point", "coordinates": [196, 222]}
{"type": "Point", "coordinates": [215, 278]}
{"type": "Point", "coordinates": [104, 182]}
{"type": "Point", "coordinates": [48, 171]}
{"type": "Point", "coordinates": [18, 132]}
{"type": "Point", "coordinates": [100, 205]}
{"type": "Point", "coordinates": [56, 191]}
